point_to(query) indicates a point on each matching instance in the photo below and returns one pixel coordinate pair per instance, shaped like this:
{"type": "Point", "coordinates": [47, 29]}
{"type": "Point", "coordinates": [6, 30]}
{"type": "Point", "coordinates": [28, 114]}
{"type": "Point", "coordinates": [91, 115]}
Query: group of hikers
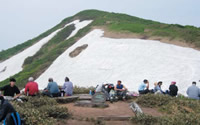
{"type": "Point", "coordinates": [193, 91]}
{"type": "Point", "coordinates": [120, 91]}
{"type": "Point", "coordinates": [144, 88]}
{"type": "Point", "coordinates": [31, 88]}
{"type": "Point", "coordinates": [8, 114]}
{"type": "Point", "coordinates": [110, 90]}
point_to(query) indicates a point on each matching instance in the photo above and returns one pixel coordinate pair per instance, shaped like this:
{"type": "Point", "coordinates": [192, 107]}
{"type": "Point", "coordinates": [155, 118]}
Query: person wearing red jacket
{"type": "Point", "coordinates": [31, 88]}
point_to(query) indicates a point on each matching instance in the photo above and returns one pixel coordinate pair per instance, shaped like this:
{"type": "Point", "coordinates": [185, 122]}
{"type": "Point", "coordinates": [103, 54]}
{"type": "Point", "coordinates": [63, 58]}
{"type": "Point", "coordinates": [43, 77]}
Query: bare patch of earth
{"type": "Point", "coordinates": [117, 35]}
{"type": "Point", "coordinates": [78, 50]}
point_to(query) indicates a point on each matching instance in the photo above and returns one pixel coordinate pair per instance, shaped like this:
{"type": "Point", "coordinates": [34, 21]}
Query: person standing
{"type": "Point", "coordinates": [11, 89]}
{"type": "Point", "coordinates": [193, 91]}
{"type": "Point", "coordinates": [31, 88]}
{"type": "Point", "coordinates": [68, 87]}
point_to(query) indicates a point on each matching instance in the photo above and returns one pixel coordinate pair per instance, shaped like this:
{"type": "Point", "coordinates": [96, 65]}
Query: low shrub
{"type": "Point", "coordinates": [178, 119]}
{"type": "Point", "coordinates": [40, 111]}
{"type": "Point", "coordinates": [83, 90]}
{"type": "Point", "coordinates": [177, 111]}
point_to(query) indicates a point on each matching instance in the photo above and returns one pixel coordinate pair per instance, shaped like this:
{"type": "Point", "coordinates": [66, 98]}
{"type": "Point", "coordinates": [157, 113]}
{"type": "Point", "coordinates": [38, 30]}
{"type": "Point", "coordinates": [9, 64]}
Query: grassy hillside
{"type": "Point", "coordinates": [5, 54]}
{"type": "Point", "coordinates": [37, 64]}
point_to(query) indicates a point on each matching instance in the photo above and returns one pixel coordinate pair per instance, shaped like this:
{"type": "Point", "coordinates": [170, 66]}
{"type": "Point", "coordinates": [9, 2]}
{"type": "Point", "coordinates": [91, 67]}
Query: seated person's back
{"type": "Point", "coordinates": [31, 87]}
{"type": "Point", "coordinates": [193, 91]}
{"type": "Point", "coordinates": [68, 87]}
{"type": "Point", "coordinates": [53, 87]}
{"type": "Point", "coordinates": [173, 89]}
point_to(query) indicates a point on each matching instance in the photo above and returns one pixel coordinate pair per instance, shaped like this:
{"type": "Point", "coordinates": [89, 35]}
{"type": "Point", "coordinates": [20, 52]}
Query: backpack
{"type": "Point", "coordinates": [12, 119]}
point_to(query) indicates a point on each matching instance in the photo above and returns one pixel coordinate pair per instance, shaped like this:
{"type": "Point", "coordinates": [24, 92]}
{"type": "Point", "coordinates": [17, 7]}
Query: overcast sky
{"type": "Point", "coordinates": [21, 20]}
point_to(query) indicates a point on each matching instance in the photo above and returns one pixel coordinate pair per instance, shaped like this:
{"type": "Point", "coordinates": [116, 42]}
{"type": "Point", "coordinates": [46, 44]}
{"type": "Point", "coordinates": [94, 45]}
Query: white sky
{"type": "Point", "coordinates": [21, 20]}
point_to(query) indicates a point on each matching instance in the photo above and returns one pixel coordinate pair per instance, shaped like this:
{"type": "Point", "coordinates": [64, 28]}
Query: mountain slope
{"type": "Point", "coordinates": [112, 22]}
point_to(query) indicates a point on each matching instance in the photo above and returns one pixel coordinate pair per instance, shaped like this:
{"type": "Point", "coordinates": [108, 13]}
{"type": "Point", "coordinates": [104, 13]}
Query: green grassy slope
{"type": "Point", "coordinates": [5, 54]}
{"type": "Point", "coordinates": [37, 64]}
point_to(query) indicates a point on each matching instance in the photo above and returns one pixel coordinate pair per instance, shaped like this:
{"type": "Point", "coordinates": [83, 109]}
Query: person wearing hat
{"type": "Point", "coordinates": [31, 88]}
{"type": "Point", "coordinates": [158, 89]}
{"type": "Point", "coordinates": [173, 89]}
{"type": "Point", "coordinates": [11, 89]}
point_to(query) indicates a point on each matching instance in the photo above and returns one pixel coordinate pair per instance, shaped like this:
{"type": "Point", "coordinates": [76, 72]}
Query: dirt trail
{"type": "Point", "coordinates": [83, 115]}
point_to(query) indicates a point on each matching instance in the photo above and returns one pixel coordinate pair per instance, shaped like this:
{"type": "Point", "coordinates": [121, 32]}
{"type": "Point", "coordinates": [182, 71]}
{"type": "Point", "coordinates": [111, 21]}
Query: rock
{"type": "Point", "coordinates": [67, 99]}
{"type": "Point", "coordinates": [136, 109]}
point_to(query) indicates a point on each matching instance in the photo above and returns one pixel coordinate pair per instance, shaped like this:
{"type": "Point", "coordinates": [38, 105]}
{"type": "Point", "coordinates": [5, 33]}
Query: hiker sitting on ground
{"type": "Point", "coordinates": [5, 112]}
{"type": "Point", "coordinates": [31, 88]}
{"type": "Point", "coordinates": [11, 89]}
{"type": "Point", "coordinates": [193, 91]}
{"type": "Point", "coordinates": [68, 87]}
{"type": "Point", "coordinates": [52, 89]}
{"type": "Point", "coordinates": [144, 87]}
{"type": "Point", "coordinates": [173, 89]}
{"type": "Point", "coordinates": [158, 89]}
{"type": "Point", "coordinates": [121, 90]}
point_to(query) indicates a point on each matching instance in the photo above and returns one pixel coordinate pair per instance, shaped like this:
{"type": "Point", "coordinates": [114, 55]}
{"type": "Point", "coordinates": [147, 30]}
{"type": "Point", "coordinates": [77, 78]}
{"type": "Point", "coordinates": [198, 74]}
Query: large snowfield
{"type": "Point", "coordinates": [14, 64]}
{"type": "Point", "coordinates": [129, 60]}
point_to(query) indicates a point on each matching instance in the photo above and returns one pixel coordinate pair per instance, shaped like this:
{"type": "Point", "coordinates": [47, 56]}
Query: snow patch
{"type": "Point", "coordinates": [14, 64]}
{"type": "Point", "coordinates": [129, 60]}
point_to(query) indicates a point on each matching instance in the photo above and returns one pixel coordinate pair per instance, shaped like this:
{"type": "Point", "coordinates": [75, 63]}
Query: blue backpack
{"type": "Point", "coordinates": [12, 119]}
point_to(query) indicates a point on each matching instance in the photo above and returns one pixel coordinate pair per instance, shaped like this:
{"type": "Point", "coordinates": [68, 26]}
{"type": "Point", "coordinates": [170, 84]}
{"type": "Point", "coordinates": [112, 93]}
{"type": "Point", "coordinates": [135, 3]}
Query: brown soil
{"type": "Point", "coordinates": [85, 115]}
{"type": "Point", "coordinates": [115, 109]}
{"type": "Point", "coordinates": [88, 116]}
{"type": "Point", "coordinates": [124, 34]}
{"type": "Point", "coordinates": [78, 50]}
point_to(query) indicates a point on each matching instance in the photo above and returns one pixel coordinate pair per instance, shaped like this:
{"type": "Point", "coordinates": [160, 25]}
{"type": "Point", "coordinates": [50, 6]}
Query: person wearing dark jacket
{"type": "Point", "coordinates": [5, 109]}
{"type": "Point", "coordinates": [173, 89]}
{"type": "Point", "coordinates": [11, 89]}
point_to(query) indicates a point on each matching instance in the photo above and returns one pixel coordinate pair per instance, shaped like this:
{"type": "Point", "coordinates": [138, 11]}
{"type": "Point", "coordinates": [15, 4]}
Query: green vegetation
{"type": "Point", "coordinates": [41, 111]}
{"type": "Point", "coordinates": [5, 54]}
{"type": "Point", "coordinates": [177, 111]}
{"type": "Point", "coordinates": [83, 90]}
{"type": "Point", "coordinates": [37, 64]}
{"type": "Point", "coordinates": [125, 23]}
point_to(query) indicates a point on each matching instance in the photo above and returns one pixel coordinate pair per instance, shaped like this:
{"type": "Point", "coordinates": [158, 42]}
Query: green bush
{"type": "Point", "coordinates": [41, 111]}
{"type": "Point", "coordinates": [178, 119]}
{"type": "Point", "coordinates": [83, 90]}
{"type": "Point", "coordinates": [176, 110]}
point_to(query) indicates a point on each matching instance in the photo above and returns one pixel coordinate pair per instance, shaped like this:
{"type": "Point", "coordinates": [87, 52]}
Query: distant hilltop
{"type": "Point", "coordinates": [94, 46]}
